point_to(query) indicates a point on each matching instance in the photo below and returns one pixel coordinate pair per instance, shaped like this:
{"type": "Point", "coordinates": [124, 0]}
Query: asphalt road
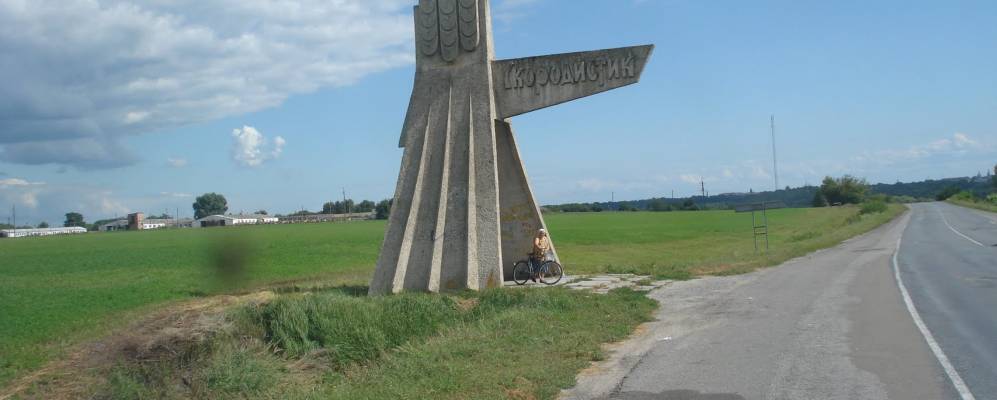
{"type": "Point", "coordinates": [948, 262]}
{"type": "Point", "coordinates": [832, 325]}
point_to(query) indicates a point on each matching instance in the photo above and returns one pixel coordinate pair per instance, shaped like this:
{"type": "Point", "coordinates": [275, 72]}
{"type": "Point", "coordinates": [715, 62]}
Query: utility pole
{"type": "Point", "coordinates": [702, 187]}
{"type": "Point", "coordinates": [775, 168]}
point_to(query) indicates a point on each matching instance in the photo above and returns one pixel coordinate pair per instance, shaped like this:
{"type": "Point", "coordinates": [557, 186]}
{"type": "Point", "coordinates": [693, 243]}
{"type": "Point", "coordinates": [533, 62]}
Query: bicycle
{"type": "Point", "coordinates": [549, 272]}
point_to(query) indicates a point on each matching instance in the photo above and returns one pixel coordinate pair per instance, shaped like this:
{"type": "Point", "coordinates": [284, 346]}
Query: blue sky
{"type": "Point", "coordinates": [116, 106]}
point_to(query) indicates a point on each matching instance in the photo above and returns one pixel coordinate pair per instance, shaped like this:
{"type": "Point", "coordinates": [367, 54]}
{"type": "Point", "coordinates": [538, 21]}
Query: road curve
{"type": "Point", "coordinates": [831, 325]}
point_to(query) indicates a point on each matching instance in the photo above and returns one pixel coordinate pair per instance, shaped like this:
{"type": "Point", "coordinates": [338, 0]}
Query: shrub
{"type": "Point", "coordinates": [947, 192]}
{"type": "Point", "coordinates": [992, 198]}
{"type": "Point", "coordinates": [845, 190]}
{"type": "Point", "coordinates": [873, 206]}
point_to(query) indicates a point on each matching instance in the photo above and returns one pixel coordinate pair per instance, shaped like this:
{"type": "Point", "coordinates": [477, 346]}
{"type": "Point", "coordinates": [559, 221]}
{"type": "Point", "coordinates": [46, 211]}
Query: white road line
{"type": "Point", "coordinates": [960, 386]}
{"type": "Point", "coordinates": [953, 229]}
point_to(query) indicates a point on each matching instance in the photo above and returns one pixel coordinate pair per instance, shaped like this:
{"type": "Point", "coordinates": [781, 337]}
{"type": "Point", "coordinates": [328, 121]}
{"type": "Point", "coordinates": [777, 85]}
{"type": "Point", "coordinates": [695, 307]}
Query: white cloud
{"type": "Point", "coordinates": [80, 75]}
{"type": "Point", "coordinates": [176, 195]}
{"type": "Point", "coordinates": [958, 144]}
{"type": "Point", "coordinates": [250, 148]}
{"type": "Point", "coordinates": [8, 182]}
{"type": "Point", "coordinates": [176, 162]}
{"type": "Point", "coordinates": [962, 140]}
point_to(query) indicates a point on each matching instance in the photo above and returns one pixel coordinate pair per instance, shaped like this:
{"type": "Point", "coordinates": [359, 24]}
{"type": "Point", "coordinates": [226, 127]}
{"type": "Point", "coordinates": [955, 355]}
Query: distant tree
{"type": "Point", "coordinates": [6, 226]}
{"type": "Point", "coordinates": [43, 225]}
{"type": "Point", "coordinates": [689, 205]}
{"type": "Point", "coordinates": [160, 216]}
{"type": "Point", "coordinates": [209, 204]}
{"type": "Point", "coordinates": [845, 190]}
{"type": "Point", "coordinates": [365, 206]}
{"type": "Point", "coordinates": [339, 207]}
{"type": "Point", "coordinates": [346, 206]}
{"type": "Point", "coordinates": [383, 209]}
{"type": "Point", "coordinates": [74, 219]}
{"type": "Point", "coordinates": [947, 192]}
{"type": "Point", "coordinates": [819, 199]}
{"type": "Point", "coordinates": [658, 205]}
{"type": "Point", "coordinates": [626, 206]}
{"type": "Point", "coordinates": [261, 212]}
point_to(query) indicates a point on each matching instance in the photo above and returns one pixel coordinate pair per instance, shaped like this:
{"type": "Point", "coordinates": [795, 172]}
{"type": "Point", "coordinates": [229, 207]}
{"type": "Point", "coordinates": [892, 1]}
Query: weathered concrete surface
{"type": "Point", "coordinates": [528, 84]}
{"type": "Point", "coordinates": [519, 212]}
{"type": "Point", "coordinates": [831, 325]}
{"type": "Point", "coordinates": [463, 206]}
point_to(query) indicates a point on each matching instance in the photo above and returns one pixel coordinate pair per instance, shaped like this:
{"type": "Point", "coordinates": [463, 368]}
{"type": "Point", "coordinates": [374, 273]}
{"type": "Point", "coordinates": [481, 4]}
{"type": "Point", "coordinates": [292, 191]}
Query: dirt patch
{"type": "Point", "coordinates": [466, 305]}
{"type": "Point", "coordinates": [163, 334]}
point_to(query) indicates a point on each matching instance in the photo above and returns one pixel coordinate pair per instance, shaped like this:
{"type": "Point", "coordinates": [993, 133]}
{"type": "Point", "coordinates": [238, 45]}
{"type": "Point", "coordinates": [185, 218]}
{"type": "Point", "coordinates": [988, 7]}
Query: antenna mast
{"type": "Point", "coordinates": [775, 168]}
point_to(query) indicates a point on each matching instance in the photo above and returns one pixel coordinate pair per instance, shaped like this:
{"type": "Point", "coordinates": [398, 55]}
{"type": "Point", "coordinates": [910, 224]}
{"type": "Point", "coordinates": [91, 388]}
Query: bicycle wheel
{"type": "Point", "coordinates": [521, 272]}
{"type": "Point", "coordinates": [551, 272]}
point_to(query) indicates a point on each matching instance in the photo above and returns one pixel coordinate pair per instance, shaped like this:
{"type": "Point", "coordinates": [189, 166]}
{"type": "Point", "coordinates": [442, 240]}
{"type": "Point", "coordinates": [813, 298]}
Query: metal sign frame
{"type": "Point", "coordinates": [763, 229]}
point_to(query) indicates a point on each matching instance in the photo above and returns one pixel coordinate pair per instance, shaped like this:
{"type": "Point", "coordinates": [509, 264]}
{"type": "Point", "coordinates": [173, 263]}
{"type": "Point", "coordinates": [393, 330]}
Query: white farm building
{"type": "Point", "coordinates": [239, 219]}
{"type": "Point", "coordinates": [13, 233]}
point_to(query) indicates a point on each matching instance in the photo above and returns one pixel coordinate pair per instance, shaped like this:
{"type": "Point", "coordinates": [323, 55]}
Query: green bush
{"type": "Point", "coordinates": [964, 196]}
{"type": "Point", "coordinates": [873, 206]}
{"type": "Point", "coordinates": [992, 198]}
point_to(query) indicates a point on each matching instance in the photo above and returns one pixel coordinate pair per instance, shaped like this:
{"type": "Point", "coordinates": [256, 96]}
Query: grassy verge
{"type": "Point", "coordinates": [979, 205]}
{"type": "Point", "coordinates": [680, 245]}
{"type": "Point", "coordinates": [496, 344]}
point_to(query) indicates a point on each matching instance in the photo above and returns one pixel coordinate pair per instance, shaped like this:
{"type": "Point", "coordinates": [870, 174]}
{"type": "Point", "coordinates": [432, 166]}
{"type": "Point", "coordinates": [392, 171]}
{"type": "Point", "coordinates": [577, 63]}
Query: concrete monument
{"type": "Point", "coordinates": [463, 207]}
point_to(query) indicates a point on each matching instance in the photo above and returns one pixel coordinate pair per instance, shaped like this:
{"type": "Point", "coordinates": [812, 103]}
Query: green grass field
{"type": "Point", "coordinates": [58, 291]}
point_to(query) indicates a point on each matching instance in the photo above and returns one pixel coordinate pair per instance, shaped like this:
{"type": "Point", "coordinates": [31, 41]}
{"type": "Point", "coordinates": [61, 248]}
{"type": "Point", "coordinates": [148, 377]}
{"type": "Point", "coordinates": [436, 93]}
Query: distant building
{"type": "Point", "coordinates": [309, 218]}
{"type": "Point", "coordinates": [13, 233]}
{"type": "Point", "coordinates": [238, 219]}
{"type": "Point", "coordinates": [135, 221]}
{"type": "Point", "coordinates": [155, 223]}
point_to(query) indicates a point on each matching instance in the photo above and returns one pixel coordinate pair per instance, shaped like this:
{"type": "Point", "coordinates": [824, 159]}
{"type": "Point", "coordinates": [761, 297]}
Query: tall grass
{"type": "Point", "coordinates": [493, 344]}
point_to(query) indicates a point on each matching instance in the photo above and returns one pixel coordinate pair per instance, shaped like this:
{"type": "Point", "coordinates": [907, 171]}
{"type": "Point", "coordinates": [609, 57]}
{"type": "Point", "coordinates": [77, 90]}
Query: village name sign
{"type": "Point", "coordinates": [463, 206]}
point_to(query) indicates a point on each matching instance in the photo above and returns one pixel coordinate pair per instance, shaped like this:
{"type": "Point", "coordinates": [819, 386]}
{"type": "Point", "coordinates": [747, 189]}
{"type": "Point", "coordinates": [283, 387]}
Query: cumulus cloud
{"type": "Point", "coordinates": [176, 162]}
{"type": "Point", "coordinates": [956, 145]}
{"type": "Point", "coordinates": [250, 148]}
{"type": "Point", "coordinates": [20, 192]}
{"type": "Point", "coordinates": [80, 75]}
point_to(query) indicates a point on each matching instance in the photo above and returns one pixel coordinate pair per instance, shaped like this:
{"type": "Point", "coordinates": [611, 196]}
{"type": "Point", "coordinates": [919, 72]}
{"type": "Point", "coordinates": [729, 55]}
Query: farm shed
{"type": "Point", "coordinates": [13, 233]}
{"type": "Point", "coordinates": [238, 219]}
